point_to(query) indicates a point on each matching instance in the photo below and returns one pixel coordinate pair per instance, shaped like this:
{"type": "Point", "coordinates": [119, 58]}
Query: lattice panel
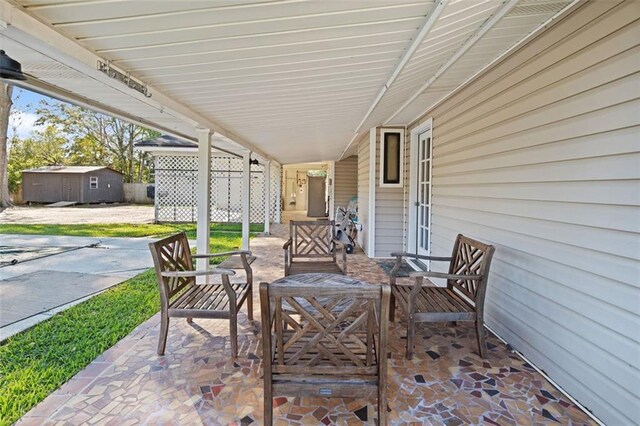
{"type": "Point", "coordinates": [312, 239]}
{"type": "Point", "coordinates": [276, 184]}
{"type": "Point", "coordinates": [325, 333]}
{"type": "Point", "coordinates": [468, 261]}
{"type": "Point", "coordinates": [176, 179]}
{"type": "Point", "coordinates": [173, 254]}
{"type": "Point", "coordinates": [177, 184]}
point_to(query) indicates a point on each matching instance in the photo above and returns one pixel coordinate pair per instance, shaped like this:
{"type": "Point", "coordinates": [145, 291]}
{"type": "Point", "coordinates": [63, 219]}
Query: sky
{"type": "Point", "coordinates": [23, 118]}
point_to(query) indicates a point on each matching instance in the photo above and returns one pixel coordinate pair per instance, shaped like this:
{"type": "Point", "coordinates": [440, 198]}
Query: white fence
{"type": "Point", "coordinates": [136, 193]}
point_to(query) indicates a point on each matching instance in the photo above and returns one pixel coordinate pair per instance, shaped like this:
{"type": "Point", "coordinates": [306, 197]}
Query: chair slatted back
{"type": "Point", "coordinates": [172, 254]}
{"type": "Point", "coordinates": [332, 329]}
{"type": "Point", "coordinates": [312, 239]}
{"type": "Point", "coordinates": [470, 257]}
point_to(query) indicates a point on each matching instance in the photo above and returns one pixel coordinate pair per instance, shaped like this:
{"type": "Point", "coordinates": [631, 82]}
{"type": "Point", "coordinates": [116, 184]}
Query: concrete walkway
{"type": "Point", "coordinates": [56, 272]}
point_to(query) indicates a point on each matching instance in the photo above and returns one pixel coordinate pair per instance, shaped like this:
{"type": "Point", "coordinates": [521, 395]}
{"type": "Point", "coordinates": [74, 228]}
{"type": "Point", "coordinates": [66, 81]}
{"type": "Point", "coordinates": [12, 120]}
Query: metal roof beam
{"type": "Point", "coordinates": [484, 28]}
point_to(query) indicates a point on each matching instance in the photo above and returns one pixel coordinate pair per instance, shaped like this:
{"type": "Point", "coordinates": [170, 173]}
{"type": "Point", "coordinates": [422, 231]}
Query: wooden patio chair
{"type": "Point", "coordinates": [337, 347]}
{"type": "Point", "coordinates": [312, 247]}
{"type": "Point", "coordinates": [461, 300]}
{"type": "Point", "coordinates": [181, 297]}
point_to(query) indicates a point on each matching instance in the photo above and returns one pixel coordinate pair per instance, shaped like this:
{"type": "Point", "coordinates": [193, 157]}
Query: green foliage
{"type": "Point", "coordinates": [43, 148]}
{"type": "Point", "coordinates": [85, 150]}
{"type": "Point", "coordinates": [99, 139]}
{"type": "Point", "coordinates": [37, 361]}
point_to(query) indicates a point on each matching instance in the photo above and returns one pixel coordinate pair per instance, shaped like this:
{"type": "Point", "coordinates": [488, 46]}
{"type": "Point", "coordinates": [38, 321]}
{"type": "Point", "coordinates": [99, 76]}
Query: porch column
{"type": "Point", "coordinates": [331, 185]}
{"type": "Point", "coordinates": [204, 196]}
{"type": "Point", "coordinates": [278, 217]}
{"type": "Point", "coordinates": [267, 196]}
{"type": "Point", "coordinates": [246, 198]}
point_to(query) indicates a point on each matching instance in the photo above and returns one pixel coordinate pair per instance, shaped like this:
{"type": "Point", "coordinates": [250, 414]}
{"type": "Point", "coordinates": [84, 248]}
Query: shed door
{"type": "Point", "coordinates": [70, 189]}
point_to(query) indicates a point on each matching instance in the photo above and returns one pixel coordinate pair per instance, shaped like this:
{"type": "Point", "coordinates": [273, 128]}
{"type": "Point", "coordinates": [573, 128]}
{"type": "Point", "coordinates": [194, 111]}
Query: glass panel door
{"type": "Point", "coordinates": [423, 197]}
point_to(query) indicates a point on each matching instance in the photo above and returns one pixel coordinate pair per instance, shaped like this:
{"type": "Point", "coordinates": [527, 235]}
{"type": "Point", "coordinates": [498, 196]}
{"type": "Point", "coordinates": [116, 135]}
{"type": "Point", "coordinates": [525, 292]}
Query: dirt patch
{"type": "Point", "coordinates": [98, 213]}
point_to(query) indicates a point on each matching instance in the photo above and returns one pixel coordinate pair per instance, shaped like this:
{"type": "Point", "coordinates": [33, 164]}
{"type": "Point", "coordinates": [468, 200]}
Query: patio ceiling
{"type": "Point", "coordinates": [294, 80]}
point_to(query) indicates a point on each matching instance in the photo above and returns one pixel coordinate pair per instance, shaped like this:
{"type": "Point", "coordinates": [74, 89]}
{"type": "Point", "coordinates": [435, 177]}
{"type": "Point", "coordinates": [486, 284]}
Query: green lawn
{"type": "Point", "coordinates": [120, 230]}
{"type": "Point", "coordinates": [37, 361]}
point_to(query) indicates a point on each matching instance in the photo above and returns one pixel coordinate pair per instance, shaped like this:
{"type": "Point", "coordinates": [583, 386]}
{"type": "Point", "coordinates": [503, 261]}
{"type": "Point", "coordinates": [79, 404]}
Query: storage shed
{"type": "Point", "coordinates": [82, 184]}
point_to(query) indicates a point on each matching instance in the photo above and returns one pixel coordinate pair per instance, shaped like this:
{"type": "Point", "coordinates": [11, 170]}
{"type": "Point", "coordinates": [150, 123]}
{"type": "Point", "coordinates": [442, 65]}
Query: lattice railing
{"type": "Point", "coordinates": [176, 180]}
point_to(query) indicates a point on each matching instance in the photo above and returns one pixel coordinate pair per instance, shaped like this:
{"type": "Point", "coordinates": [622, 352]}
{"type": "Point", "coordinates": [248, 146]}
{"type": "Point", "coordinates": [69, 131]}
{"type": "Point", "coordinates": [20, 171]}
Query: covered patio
{"type": "Point", "coordinates": [512, 122]}
{"type": "Point", "coordinates": [446, 383]}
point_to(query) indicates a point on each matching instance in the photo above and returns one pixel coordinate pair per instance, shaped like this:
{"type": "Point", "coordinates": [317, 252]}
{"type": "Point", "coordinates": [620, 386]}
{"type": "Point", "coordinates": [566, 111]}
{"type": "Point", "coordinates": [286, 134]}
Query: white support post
{"type": "Point", "coordinates": [246, 198]}
{"type": "Point", "coordinates": [204, 197]}
{"type": "Point", "coordinates": [278, 217]}
{"type": "Point", "coordinates": [331, 184]}
{"type": "Point", "coordinates": [267, 196]}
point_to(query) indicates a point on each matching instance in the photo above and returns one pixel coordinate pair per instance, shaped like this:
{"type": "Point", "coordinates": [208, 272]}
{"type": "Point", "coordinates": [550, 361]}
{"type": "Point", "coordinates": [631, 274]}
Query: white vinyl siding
{"type": "Point", "coordinates": [541, 157]}
{"type": "Point", "coordinates": [345, 181]}
{"type": "Point", "coordinates": [363, 191]}
{"type": "Point", "coordinates": [389, 211]}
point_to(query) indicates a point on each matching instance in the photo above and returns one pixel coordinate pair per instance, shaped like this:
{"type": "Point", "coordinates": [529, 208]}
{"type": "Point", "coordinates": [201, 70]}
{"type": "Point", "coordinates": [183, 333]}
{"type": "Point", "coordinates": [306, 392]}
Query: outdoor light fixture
{"type": "Point", "coordinates": [254, 161]}
{"type": "Point", "coordinates": [10, 68]}
{"type": "Point", "coordinates": [105, 67]}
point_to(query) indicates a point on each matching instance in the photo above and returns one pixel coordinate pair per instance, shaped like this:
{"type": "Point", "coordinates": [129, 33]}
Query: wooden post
{"type": "Point", "coordinates": [204, 197]}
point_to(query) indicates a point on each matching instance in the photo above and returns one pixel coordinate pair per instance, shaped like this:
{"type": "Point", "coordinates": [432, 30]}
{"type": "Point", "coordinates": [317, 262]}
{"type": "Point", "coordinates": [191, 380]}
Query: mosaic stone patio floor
{"type": "Point", "coordinates": [197, 383]}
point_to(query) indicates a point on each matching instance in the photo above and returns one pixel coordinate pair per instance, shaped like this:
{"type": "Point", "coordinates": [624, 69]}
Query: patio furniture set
{"type": "Point", "coordinates": [323, 334]}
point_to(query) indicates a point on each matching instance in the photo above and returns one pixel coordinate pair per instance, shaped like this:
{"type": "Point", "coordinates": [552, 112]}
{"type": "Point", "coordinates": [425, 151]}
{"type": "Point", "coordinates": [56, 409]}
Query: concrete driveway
{"type": "Point", "coordinates": [55, 272]}
{"type": "Point", "coordinates": [86, 213]}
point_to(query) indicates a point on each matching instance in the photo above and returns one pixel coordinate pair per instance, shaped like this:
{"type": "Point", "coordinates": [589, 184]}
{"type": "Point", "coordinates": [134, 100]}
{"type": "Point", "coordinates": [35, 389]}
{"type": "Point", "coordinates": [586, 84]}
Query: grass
{"type": "Point", "coordinates": [120, 229]}
{"type": "Point", "coordinates": [39, 360]}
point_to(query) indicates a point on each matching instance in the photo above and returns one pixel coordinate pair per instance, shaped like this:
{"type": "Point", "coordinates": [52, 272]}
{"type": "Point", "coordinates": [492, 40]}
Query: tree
{"type": "Point", "coordinates": [6, 91]}
{"type": "Point", "coordinates": [44, 148]}
{"type": "Point", "coordinates": [99, 138]}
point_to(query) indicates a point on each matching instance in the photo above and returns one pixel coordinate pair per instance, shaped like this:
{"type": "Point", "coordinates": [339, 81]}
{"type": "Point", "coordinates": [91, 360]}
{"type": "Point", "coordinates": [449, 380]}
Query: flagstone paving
{"type": "Point", "coordinates": [196, 382]}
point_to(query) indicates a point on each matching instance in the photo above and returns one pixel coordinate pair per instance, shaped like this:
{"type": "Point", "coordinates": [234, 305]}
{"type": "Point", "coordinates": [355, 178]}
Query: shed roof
{"type": "Point", "coordinates": [68, 169]}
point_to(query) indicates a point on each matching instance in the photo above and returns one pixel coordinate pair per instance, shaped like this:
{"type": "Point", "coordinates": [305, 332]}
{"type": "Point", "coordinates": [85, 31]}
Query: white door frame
{"type": "Point", "coordinates": [413, 183]}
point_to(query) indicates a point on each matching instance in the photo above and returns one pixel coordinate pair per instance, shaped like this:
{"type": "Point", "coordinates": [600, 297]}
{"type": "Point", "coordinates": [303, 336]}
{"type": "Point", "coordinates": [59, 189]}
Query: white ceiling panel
{"type": "Point", "coordinates": [292, 78]}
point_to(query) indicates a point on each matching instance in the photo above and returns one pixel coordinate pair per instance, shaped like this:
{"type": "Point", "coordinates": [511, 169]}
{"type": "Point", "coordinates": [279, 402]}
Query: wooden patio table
{"type": "Point", "coordinates": [320, 280]}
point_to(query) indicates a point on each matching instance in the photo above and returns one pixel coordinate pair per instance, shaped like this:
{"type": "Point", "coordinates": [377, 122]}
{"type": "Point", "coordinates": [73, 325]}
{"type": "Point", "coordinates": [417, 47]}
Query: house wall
{"type": "Point", "coordinates": [540, 157]}
{"type": "Point", "coordinates": [110, 187]}
{"type": "Point", "coordinates": [363, 192]}
{"type": "Point", "coordinates": [390, 208]}
{"type": "Point", "coordinates": [345, 181]}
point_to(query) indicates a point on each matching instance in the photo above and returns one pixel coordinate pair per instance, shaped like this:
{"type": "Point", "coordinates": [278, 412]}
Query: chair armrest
{"type": "Point", "coordinates": [225, 253]}
{"type": "Point", "coordinates": [179, 274]}
{"type": "Point", "coordinates": [287, 255]}
{"type": "Point", "coordinates": [421, 256]}
{"type": "Point", "coordinates": [433, 274]}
